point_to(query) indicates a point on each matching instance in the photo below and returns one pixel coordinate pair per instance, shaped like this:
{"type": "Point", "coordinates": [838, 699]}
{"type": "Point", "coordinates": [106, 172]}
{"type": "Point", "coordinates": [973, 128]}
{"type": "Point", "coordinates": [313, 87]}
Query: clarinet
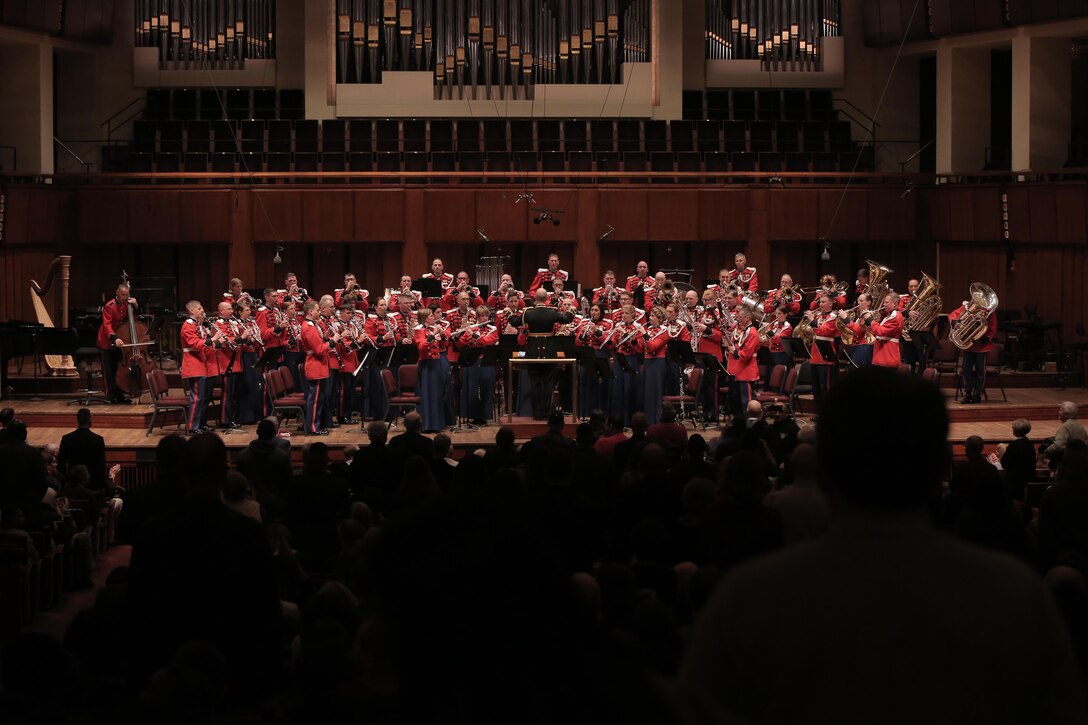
{"type": "Point", "coordinates": [332, 345]}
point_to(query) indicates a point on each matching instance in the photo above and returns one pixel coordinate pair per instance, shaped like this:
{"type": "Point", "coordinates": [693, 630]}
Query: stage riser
{"type": "Point", "coordinates": [137, 419]}
{"type": "Point", "coordinates": [977, 412]}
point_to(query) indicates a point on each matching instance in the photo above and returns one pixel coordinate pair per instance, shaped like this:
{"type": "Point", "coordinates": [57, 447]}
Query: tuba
{"type": "Point", "coordinates": [972, 325]}
{"type": "Point", "coordinates": [754, 302]}
{"type": "Point", "coordinates": [878, 286]}
{"type": "Point", "coordinates": [804, 331]}
{"type": "Point", "coordinates": [924, 308]}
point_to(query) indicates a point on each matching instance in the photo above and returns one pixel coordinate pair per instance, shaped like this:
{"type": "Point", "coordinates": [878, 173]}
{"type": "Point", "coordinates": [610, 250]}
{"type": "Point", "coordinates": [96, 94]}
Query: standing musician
{"type": "Point", "coordinates": [269, 322]}
{"type": "Point", "coordinates": [677, 330]}
{"type": "Point", "coordinates": [508, 319]}
{"type": "Point", "coordinates": [114, 314]}
{"type": "Point", "coordinates": [545, 275]}
{"type": "Point", "coordinates": [199, 342]}
{"type": "Point", "coordinates": [329, 324]}
{"type": "Point", "coordinates": [887, 330]}
{"type": "Point", "coordinates": [498, 297]}
{"type": "Point", "coordinates": [907, 352]}
{"type": "Point", "coordinates": [237, 294]}
{"type": "Point", "coordinates": [541, 319]}
{"type": "Point", "coordinates": [742, 275]}
{"type": "Point", "coordinates": [405, 291]}
{"type": "Point", "coordinates": [912, 292]}
{"type": "Point", "coordinates": [478, 379]}
{"type": "Point", "coordinates": [351, 294]}
{"type": "Point", "coordinates": [593, 332]}
{"type": "Point", "coordinates": [777, 297]}
{"type": "Point", "coordinates": [654, 342]}
{"type": "Point", "coordinates": [438, 271]}
{"type": "Point", "coordinates": [316, 369]}
{"type": "Point", "coordinates": [708, 332]}
{"type": "Point", "coordinates": [558, 295]}
{"type": "Point", "coordinates": [234, 340]}
{"type": "Point", "coordinates": [626, 342]}
{"type": "Point", "coordinates": [780, 328]}
{"type": "Point", "coordinates": [293, 354]}
{"type": "Point", "coordinates": [829, 286]}
{"type": "Point", "coordinates": [291, 291]}
{"type": "Point", "coordinates": [824, 372]}
{"type": "Point", "coordinates": [723, 284]}
{"type": "Point", "coordinates": [607, 295]}
{"type": "Point", "coordinates": [250, 400]}
{"type": "Point", "coordinates": [741, 348]}
{"type": "Point", "coordinates": [430, 340]}
{"type": "Point", "coordinates": [862, 352]}
{"type": "Point", "coordinates": [655, 295]}
{"type": "Point", "coordinates": [352, 340]}
{"type": "Point", "coordinates": [638, 281]}
{"type": "Point", "coordinates": [974, 357]}
{"type": "Point", "coordinates": [380, 327]}
{"type": "Point", "coordinates": [862, 282]}
{"type": "Point", "coordinates": [461, 284]}
{"type": "Point", "coordinates": [627, 300]}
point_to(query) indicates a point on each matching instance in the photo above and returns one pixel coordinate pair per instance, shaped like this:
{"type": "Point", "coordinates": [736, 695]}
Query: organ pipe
{"type": "Point", "coordinates": [781, 34]}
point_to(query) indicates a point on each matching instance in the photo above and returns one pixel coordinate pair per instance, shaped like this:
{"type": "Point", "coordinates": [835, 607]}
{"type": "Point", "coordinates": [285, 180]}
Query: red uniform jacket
{"type": "Point", "coordinates": [773, 301]}
{"type": "Point", "coordinates": [617, 315]}
{"type": "Point", "coordinates": [746, 279]}
{"type": "Point", "coordinates": [741, 363]}
{"type": "Point", "coordinates": [266, 323]}
{"type": "Point", "coordinates": [327, 326]}
{"type": "Point", "coordinates": [449, 299]}
{"type": "Point", "coordinates": [710, 341]}
{"type": "Point", "coordinates": [316, 366]}
{"type": "Point", "coordinates": [838, 301]}
{"type": "Point", "coordinates": [607, 303]}
{"type": "Point", "coordinates": [495, 302]}
{"type": "Point", "coordinates": [779, 330]}
{"type": "Point", "coordinates": [197, 351]}
{"type": "Point", "coordinates": [621, 332]}
{"type": "Point", "coordinates": [545, 276]}
{"type": "Point", "coordinates": [445, 279]}
{"type": "Point", "coordinates": [886, 346]}
{"type": "Point", "coordinates": [113, 316]}
{"type": "Point", "coordinates": [430, 349]}
{"type": "Point", "coordinates": [984, 343]}
{"type": "Point", "coordinates": [484, 336]}
{"type": "Point", "coordinates": [904, 300]}
{"type": "Point", "coordinates": [454, 319]}
{"type": "Point", "coordinates": [678, 330]}
{"type": "Point", "coordinates": [416, 297]}
{"type": "Point", "coordinates": [588, 337]}
{"type": "Point", "coordinates": [230, 358]}
{"type": "Point", "coordinates": [826, 329]}
{"type": "Point", "coordinates": [634, 282]}
{"type": "Point", "coordinates": [363, 304]}
{"type": "Point", "coordinates": [655, 346]}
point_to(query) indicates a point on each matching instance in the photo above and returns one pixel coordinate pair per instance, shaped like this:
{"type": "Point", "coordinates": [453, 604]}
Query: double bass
{"type": "Point", "coordinates": [136, 363]}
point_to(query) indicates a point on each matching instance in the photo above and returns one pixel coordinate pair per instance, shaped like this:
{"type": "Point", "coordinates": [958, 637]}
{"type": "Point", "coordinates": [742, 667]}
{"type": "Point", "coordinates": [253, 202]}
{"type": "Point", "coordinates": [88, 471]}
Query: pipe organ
{"type": "Point", "coordinates": [213, 34]}
{"type": "Point", "coordinates": [491, 49]}
{"type": "Point", "coordinates": [784, 35]}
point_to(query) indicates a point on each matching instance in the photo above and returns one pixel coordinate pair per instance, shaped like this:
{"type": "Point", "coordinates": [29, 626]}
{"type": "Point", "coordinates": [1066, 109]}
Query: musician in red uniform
{"type": "Point", "coordinates": [292, 291]}
{"type": "Point", "coordinates": [382, 329]}
{"type": "Point", "coordinates": [234, 339]}
{"type": "Point", "coordinates": [824, 371]}
{"type": "Point", "coordinates": [740, 354]}
{"type": "Point", "coordinates": [351, 294]}
{"type": "Point", "coordinates": [198, 353]}
{"type": "Point", "coordinates": [777, 297]}
{"type": "Point", "coordinates": [438, 272]}
{"type": "Point", "coordinates": [478, 378]}
{"type": "Point", "coordinates": [316, 368]}
{"type": "Point", "coordinates": [558, 294]}
{"type": "Point", "coordinates": [637, 281]}
{"type": "Point", "coordinates": [626, 342]}
{"type": "Point", "coordinates": [460, 284]}
{"type": "Point", "coordinates": [593, 391]}
{"type": "Point", "coordinates": [607, 295]}
{"type": "Point", "coordinates": [508, 319]}
{"type": "Point", "coordinates": [628, 300]}
{"type": "Point", "coordinates": [270, 322]}
{"type": "Point", "coordinates": [708, 331]}
{"type": "Point", "coordinates": [498, 297]}
{"type": "Point", "coordinates": [887, 331]}
{"type": "Point", "coordinates": [114, 314]}
{"type": "Point", "coordinates": [237, 294]}
{"type": "Point", "coordinates": [742, 275]}
{"type": "Point", "coordinates": [654, 365]}
{"type": "Point", "coordinates": [779, 331]}
{"type": "Point", "coordinates": [352, 340]}
{"type": "Point", "coordinates": [545, 275]}
{"type": "Point", "coordinates": [430, 339]}
{"type": "Point", "coordinates": [974, 357]}
{"type": "Point", "coordinates": [912, 292]}
{"type": "Point", "coordinates": [828, 286]}
{"type": "Point", "coordinates": [862, 351]}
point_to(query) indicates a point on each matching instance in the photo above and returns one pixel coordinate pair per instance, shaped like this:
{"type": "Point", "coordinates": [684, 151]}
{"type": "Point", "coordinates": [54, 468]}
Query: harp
{"type": "Point", "coordinates": [60, 365]}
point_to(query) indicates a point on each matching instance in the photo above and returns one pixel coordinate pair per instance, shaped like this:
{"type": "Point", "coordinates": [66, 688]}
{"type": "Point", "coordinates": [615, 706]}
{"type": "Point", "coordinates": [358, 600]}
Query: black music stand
{"type": "Point", "coordinates": [797, 349]}
{"type": "Point", "coordinates": [52, 341]}
{"type": "Point", "coordinates": [485, 291]}
{"type": "Point", "coordinates": [827, 349]}
{"type": "Point", "coordinates": [428, 288]}
{"type": "Point", "coordinates": [680, 352]}
{"type": "Point", "coordinates": [587, 357]}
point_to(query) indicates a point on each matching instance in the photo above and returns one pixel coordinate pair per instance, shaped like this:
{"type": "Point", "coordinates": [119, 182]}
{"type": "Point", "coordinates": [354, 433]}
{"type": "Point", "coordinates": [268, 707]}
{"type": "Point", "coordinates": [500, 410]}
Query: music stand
{"type": "Point", "coordinates": [797, 349]}
{"type": "Point", "coordinates": [270, 355]}
{"type": "Point", "coordinates": [485, 291]}
{"type": "Point", "coordinates": [680, 352]}
{"type": "Point", "coordinates": [827, 350]}
{"type": "Point", "coordinates": [52, 341]}
{"type": "Point", "coordinates": [466, 359]}
{"type": "Point", "coordinates": [430, 289]}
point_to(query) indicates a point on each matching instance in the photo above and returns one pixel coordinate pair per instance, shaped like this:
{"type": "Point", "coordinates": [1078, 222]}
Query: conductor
{"type": "Point", "coordinates": [541, 321]}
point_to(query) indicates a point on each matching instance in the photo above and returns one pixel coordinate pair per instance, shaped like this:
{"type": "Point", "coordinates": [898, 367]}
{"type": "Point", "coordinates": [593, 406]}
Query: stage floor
{"type": "Point", "coordinates": [124, 427]}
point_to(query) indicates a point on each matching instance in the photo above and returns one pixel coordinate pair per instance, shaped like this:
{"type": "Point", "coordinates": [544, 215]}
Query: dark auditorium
{"type": "Point", "coordinates": [564, 362]}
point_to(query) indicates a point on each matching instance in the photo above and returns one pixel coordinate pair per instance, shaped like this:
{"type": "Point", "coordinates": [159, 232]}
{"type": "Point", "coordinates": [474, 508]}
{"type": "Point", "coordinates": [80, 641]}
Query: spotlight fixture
{"type": "Point", "coordinates": [481, 235]}
{"type": "Point", "coordinates": [776, 181]}
{"type": "Point", "coordinates": [546, 215]}
{"type": "Point", "coordinates": [607, 233]}
{"type": "Point", "coordinates": [826, 254]}
{"type": "Point", "coordinates": [278, 259]}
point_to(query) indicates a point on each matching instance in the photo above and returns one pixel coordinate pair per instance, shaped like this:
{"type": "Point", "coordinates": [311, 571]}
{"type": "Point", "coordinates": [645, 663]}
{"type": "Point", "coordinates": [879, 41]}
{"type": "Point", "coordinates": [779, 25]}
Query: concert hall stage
{"type": "Point", "coordinates": [124, 426]}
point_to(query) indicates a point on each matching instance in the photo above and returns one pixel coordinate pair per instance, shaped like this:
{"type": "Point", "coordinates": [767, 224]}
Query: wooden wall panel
{"type": "Point", "coordinates": [102, 216]}
{"type": "Point", "coordinates": [450, 216]}
{"type": "Point", "coordinates": [379, 215]}
{"type": "Point", "coordinates": [18, 265]}
{"type": "Point", "coordinates": [565, 201]}
{"type": "Point", "coordinates": [962, 264]}
{"type": "Point", "coordinates": [1069, 219]}
{"type": "Point", "coordinates": [1019, 213]}
{"type": "Point", "coordinates": [891, 215]}
{"type": "Point", "coordinates": [622, 257]}
{"type": "Point", "coordinates": [375, 266]}
{"type": "Point", "coordinates": [723, 214]}
{"type": "Point", "coordinates": [38, 216]}
{"type": "Point", "coordinates": [961, 218]}
{"type": "Point", "coordinates": [673, 215]}
{"type": "Point", "coordinates": [327, 216]}
{"type": "Point", "coordinates": [627, 211]}
{"type": "Point", "coordinates": [986, 213]}
{"type": "Point", "coordinates": [1043, 214]}
{"type": "Point", "coordinates": [202, 274]}
{"type": "Point", "coordinates": [153, 217]}
{"type": "Point", "coordinates": [499, 216]}
{"type": "Point", "coordinates": [934, 213]}
{"type": "Point", "coordinates": [843, 214]}
{"type": "Point", "coordinates": [793, 214]}
{"type": "Point", "coordinates": [205, 216]}
{"type": "Point", "coordinates": [276, 215]}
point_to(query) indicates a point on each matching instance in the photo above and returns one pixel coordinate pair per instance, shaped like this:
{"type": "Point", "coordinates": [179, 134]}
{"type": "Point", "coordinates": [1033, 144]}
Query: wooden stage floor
{"type": "Point", "coordinates": [123, 427]}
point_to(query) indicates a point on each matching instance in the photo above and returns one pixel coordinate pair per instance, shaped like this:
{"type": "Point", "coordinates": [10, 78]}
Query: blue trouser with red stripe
{"type": "Point", "coordinates": [823, 376]}
{"type": "Point", "coordinates": [974, 373]}
{"type": "Point", "coordinates": [198, 390]}
{"type": "Point", "coordinates": [315, 404]}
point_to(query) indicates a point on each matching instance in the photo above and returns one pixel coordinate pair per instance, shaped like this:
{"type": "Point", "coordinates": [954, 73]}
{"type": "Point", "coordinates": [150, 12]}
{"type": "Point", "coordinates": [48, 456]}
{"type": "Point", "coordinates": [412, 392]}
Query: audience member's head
{"type": "Point", "coordinates": [904, 476]}
{"type": "Point", "coordinates": [78, 475]}
{"type": "Point", "coordinates": [236, 488]}
{"type": "Point", "coordinates": [639, 423]}
{"type": "Point", "coordinates": [972, 447]}
{"type": "Point", "coordinates": [556, 419]}
{"type": "Point", "coordinates": [442, 445]}
{"type": "Point", "coordinates": [743, 477]}
{"type": "Point", "coordinates": [266, 430]}
{"type": "Point", "coordinates": [169, 454]}
{"type": "Point", "coordinates": [697, 494]}
{"type": "Point", "coordinates": [1067, 411]}
{"type": "Point", "coordinates": [376, 432]}
{"type": "Point", "coordinates": [6, 416]}
{"type": "Point", "coordinates": [16, 431]}
{"type": "Point", "coordinates": [83, 417]}
{"type": "Point", "coordinates": [596, 420]}
{"type": "Point", "coordinates": [584, 435]}
{"type": "Point", "coordinates": [696, 448]}
{"type": "Point", "coordinates": [668, 413]}
{"type": "Point", "coordinates": [315, 457]}
{"type": "Point", "coordinates": [754, 411]}
{"type": "Point", "coordinates": [362, 513]}
{"type": "Point", "coordinates": [805, 465]}
{"type": "Point", "coordinates": [1021, 427]}
{"type": "Point", "coordinates": [504, 437]}
{"type": "Point", "coordinates": [613, 425]}
{"type": "Point", "coordinates": [205, 465]}
{"type": "Point", "coordinates": [413, 422]}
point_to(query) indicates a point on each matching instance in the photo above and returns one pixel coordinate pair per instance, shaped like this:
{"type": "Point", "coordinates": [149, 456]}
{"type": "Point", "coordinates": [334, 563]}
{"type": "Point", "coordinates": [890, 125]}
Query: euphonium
{"type": "Point", "coordinates": [878, 287]}
{"type": "Point", "coordinates": [754, 302]}
{"type": "Point", "coordinates": [765, 332]}
{"type": "Point", "coordinates": [972, 325]}
{"type": "Point", "coordinates": [846, 333]}
{"type": "Point", "coordinates": [924, 308]}
{"type": "Point", "coordinates": [804, 331]}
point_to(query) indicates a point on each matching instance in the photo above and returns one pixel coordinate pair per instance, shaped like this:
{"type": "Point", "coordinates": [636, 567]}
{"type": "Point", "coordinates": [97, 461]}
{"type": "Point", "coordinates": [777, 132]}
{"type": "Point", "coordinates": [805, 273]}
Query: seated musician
{"type": "Point", "coordinates": [912, 292]}
{"type": "Point", "coordinates": [638, 281]}
{"type": "Point", "coordinates": [779, 330]}
{"type": "Point", "coordinates": [498, 297]}
{"type": "Point", "coordinates": [862, 352]}
{"type": "Point", "coordinates": [478, 378]}
{"type": "Point", "coordinates": [114, 314]}
{"type": "Point", "coordinates": [607, 295]}
{"type": "Point", "coordinates": [742, 275]}
{"type": "Point", "coordinates": [541, 319]}
{"type": "Point", "coordinates": [545, 275]}
{"type": "Point", "coordinates": [351, 294]}
{"type": "Point", "coordinates": [237, 294]}
{"type": "Point", "coordinates": [784, 295]}
{"type": "Point", "coordinates": [627, 300]}
{"type": "Point", "coordinates": [291, 290]}
{"type": "Point", "coordinates": [461, 284]}
{"type": "Point", "coordinates": [862, 282]}
{"type": "Point", "coordinates": [657, 294]}
{"type": "Point", "coordinates": [829, 286]}
{"type": "Point", "coordinates": [414, 297]}
{"type": "Point", "coordinates": [723, 283]}
{"type": "Point", "coordinates": [887, 330]}
{"type": "Point", "coordinates": [626, 342]}
{"type": "Point", "coordinates": [559, 295]}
